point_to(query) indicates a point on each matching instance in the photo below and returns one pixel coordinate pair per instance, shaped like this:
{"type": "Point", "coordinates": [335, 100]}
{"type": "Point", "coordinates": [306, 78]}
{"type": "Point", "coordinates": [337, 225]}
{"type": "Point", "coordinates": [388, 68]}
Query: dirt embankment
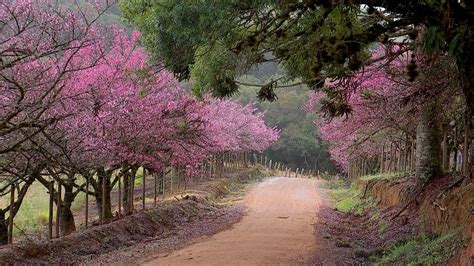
{"type": "Point", "coordinates": [170, 225]}
{"type": "Point", "coordinates": [444, 205]}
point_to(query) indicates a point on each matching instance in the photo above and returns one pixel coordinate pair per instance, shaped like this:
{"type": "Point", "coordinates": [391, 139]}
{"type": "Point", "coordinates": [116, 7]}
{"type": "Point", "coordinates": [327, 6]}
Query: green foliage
{"type": "Point", "coordinates": [214, 42]}
{"type": "Point", "coordinates": [423, 250]}
{"type": "Point", "coordinates": [176, 32]}
{"type": "Point", "coordinates": [214, 71]}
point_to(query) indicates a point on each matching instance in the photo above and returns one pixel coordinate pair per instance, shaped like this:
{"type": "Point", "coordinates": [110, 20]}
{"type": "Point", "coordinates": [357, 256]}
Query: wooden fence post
{"type": "Point", "coordinates": [50, 217]}
{"type": "Point", "coordinates": [155, 176]}
{"type": "Point", "coordinates": [119, 196]}
{"type": "Point", "coordinates": [382, 155]}
{"type": "Point", "coordinates": [163, 183]}
{"type": "Point", "coordinates": [10, 218]}
{"type": "Point", "coordinates": [132, 188]}
{"type": "Point", "coordinates": [58, 210]}
{"type": "Point", "coordinates": [86, 223]}
{"type": "Point", "coordinates": [171, 179]}
{"type": "Point", "coordinates": [102, 216]}
{"type": "Point", "coordinates": [144, 189]}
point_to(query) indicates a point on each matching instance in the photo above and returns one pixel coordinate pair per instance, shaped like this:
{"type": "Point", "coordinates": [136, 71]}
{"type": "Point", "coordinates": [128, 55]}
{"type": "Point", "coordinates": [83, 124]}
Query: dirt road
{"type": "Point", "coordinates": [278, 229]}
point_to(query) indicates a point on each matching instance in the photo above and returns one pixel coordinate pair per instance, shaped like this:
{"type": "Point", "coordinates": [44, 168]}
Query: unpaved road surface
{"type": "Point", "coordinates": [277, 229]}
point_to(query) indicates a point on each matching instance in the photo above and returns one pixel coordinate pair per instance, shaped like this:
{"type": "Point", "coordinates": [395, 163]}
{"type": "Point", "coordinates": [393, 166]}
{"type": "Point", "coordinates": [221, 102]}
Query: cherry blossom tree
{"type": "Point", "coordinates": [40, 48]}
{"type": "Point", "coordinates": [386, 106]}
{"type": "Point", "coordinates": [80, 101]}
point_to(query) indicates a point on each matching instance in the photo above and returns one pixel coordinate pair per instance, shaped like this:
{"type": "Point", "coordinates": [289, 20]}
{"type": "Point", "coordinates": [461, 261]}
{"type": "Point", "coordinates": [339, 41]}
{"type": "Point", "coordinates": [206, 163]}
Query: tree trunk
{"type": "Point", "coordinates": [103, 176]}
{"type": "Point", "coordinates": [126, 192]}
{"type": "Point", "coordinates": [133, 175]}
{"type": "Point", "coordinates": [465, 153]}
{"type": "Point", "coordinates": [466, 67]}
{"type": "Point", "coordinates": [67, 224]}
{"type": "Point", "coordinates": [427, 144]}
{"type": "Point", "coordinates": [3, 228]}
{"type": "Point", "coordinates": [455, 151]}
{"type": "Point", "coordinates": [220, 165]}
{"type": "Point", "coordinates": [445, 151]}
{"type": "Point", "coordinates": [471, 160]}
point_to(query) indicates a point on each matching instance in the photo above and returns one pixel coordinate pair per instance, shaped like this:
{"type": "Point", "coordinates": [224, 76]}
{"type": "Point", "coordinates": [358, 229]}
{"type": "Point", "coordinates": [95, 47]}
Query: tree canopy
{"type": "Point", "coordinates": [214, 42]}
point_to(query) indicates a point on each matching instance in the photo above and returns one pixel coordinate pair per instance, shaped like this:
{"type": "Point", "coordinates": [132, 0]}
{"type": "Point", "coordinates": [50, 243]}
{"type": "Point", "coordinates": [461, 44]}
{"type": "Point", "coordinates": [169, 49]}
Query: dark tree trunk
{"type": "Point", "coordinates": [471, 162]}
{"type": "Point", "coordinates": [466, 67]}
{"type": "Point", "coordinates": [427, 144]}
{"type": "Point", "coordinates": [67, 223]}
{"type": "Point", "coordinates": [445, 152]}
{"type": "Point", "coordinates": [126, 192]}
{"type": "Point", "coordinates": [128, 185]}
{"type": "Point", "coordinates": [103, 202]}
{"type": "Point", "coordinates": [219, 165]}
{"type": "Point", "coordinates": [3, 228]}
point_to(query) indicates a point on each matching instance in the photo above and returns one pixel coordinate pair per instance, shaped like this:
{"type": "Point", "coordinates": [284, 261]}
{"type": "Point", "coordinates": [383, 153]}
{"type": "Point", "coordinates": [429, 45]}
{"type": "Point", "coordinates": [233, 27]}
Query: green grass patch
{"type": "Point", "coordinates": [383, 226]}
{"type": "Point", "coordinates": [349, 199]}
{"type": "Point", "coordinates": [384, 176]}
{"type": "Point", "coordinates": [423, 250]}
{"type": "Point", "coordinates": [34, 210]}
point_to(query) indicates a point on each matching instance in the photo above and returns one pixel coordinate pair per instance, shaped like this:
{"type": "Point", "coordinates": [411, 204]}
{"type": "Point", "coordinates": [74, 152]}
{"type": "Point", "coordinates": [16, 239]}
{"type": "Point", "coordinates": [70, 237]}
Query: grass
{"type": "Point", "coordinates": [384, 176]}
{"type": "Point", "coordinates": [348, 198]}
{"type": "Point", "coordinates": [33, 213]}
{"type": "Point", "coordinates": [383, 226]}
{"type": "Point", "coordinates": [232, 189]}
{"type": "Point", "coordinates": [423, 250]}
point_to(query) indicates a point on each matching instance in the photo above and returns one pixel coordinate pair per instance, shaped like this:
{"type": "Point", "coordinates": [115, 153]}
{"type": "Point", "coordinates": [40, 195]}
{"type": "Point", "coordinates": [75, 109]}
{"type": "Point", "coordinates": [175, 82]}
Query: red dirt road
{"type": "Point", "coordinates": [277, 229]}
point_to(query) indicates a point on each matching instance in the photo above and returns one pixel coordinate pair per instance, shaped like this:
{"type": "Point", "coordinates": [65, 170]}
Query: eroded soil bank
{"type": "Point", "coordinates": [394, 213]}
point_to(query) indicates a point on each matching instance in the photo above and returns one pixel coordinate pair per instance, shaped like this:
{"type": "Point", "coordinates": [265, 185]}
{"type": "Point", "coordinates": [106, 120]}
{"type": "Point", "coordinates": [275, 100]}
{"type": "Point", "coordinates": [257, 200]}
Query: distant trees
{"type": "Point", "coordinates": [81, 106]}
{"type": "Point", "coordinates": [299, 145]}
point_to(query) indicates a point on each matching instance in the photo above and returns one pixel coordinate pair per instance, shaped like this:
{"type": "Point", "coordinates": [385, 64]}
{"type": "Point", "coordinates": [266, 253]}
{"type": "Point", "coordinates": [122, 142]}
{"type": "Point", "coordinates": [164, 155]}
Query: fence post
{"type": "Point", "coordinates": [163, 180]}
{"type": "Point", "coordinates": [132, 192]}
{"type": "Point", "coordinates": [144, 188]}
{"type": "Point", "coordinates": [102, 216]}
{"type": "Point", "coordinates": [155, 176]}
{"type": "Point", "coordinates": [58, 210]}
{"type": "Point", "coordinates": [10, 218]}
{"type": "Point", "coordinates": [50, 217]}
{"type": "Point", "coordinates": [171, 179]}
{"type": "Point", "coordinates": [120, 196]}
{"type": "Point", "coordinates": [86, 223]}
